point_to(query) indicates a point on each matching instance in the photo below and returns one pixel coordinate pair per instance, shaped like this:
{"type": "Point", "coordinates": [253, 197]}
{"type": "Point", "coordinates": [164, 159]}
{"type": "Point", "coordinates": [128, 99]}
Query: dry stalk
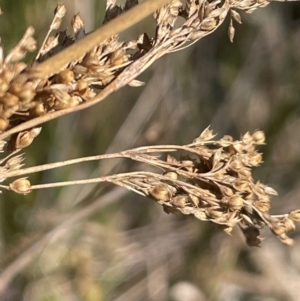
{"type": "Point", "coordinates": [212, 180]}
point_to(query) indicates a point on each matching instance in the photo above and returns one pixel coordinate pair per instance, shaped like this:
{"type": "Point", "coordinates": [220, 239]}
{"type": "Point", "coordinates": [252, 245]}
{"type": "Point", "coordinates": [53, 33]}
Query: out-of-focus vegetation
{"type": "Point", "coordinates": [109, 244]}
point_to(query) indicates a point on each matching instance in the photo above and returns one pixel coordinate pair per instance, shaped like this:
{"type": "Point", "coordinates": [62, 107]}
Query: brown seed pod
{"type": "Point", "coordinates": [263, 204]}
{"type": "Point", "coordinates": [160, 193]}
{"type": "Point", "coordinates": [81, 85]}
{"type": "Point", "coordinates": [286, 240]}
{"type": "Point", "coordinates": [14, 163]}
{"type": "Point", "coordinates": [187, 210]}
{"type": "Point", "coordinates": [21, 186]}
{"type": "Point", "coordinates": [65, 77]}
{"type": "Point", "coordinates": [241, 185]}
{"type": "Point", "coordinates": [255, 160]}
{"type": "Point", "coordinates": [200, 214]}
{"type": "Point", "coordinates": [247, 138]}
{"type": "Point", "coordinates": [236, 147]}
{"type": "Point", "coordinates": [235, 203]}
{"type": "Point", "coordinates": [194, 200]}
{"type": "Point", "coordinates": [38, 110]}
{"type": "Point", "coordinates": [214, 212]}
{"type": "Point", "coordinates": [278, 228]}
{"type": "Point", "coordinates": [171, 174]}
{"type": "Point", "coordinates": [4, 123]}
{"type": "Point", "coordinates": [9, 99]}
{"type": "Point", "coordinates": [259, 137]}
{"type": "Point", "coordinates": [180, 201]}
{"type": "Point", "coordinates": [226, 191]}
{"type": "Point", "coordinates": [236, 164]}
{"type": "Point", "coordinates": [74, 101]}
{"type": "Point", "coordinates": [295, 215]}
{"type": "Point", "coordinates": [245, 174]}
{"type": "Point", "coordinates": [23, 139]}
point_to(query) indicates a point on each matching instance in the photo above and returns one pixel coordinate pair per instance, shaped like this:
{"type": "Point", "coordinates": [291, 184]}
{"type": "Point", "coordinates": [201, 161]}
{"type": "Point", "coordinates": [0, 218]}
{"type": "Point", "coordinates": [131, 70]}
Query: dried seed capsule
{"type": "Point", "coordinates": [214, 213]}
{"type": "Point", "coordinates": [206, 135]}
{"type": "Point", "coordinates": [18, 68]}
{"type": "Point", "coordinates": [24, 139]}
{"type": "Point", "coordinates": [226, 191]}
{"type": "Point", "coordinates": [237, 147]}
{"type": "Point", "coordinates": [35, 132]}
{"type": "Point", "coordinates": [160, 193]}
{"type": "Point", "coordinates": [289, 224]}
{"type": "Point", "coordinates": [74, 101]}
{"type": "Point", "coordinates": [180, 201]}
{"type": "Point", "coordinates": [262, 205]}
{"type": "Point", "coordinates": [9, 99]}
{"type": "Point", "coordinates": [208, 24]}
{"type": "Point", "coordinates": [241, 185]}
{"type": "Point", "coordinates": [255, 160]}
{"type": "Point", "coordinates": [14, 163]}
{"type": "Point", "coordinates": [21, 186]}
{"type": "Point", "coordinates": [235, 203]}
{"type": "Point", "coordinates": [79, 69]}
{"type": "Point", "coordinates": [118, 57]}
{"type": "Point", "coordinates": [4, 123]}
{"type": "Point", "coordinates": [8, 74]}
{"type": "Point", "coordinates": [172, 175]}
{"type": "Point", "coordinates": [247, 138]}
{"type": "Point", "coordinates": [259, 137]}
{"type": "Point", "coordinates": [236, 164]}
{"type": "Point", "coordinates": [194, 200]}
{"type": "Point", "coordinates": [278, 229]}
{"type": "Point", "coordinates": [245, 174]}
{"type": "Point", "coordinates": [187, 210]}
{"type": "Point", "coordinates": [286, 240]}
{"type": "Point", "coordinates": [295, 215]}
{"type": "Point", "coordinates": [65, 77]}
{"type": "Point", "coordinates": [3, 86]}
{"type": "Point", "coordinates": [226, 138]}
{"type": "Point", "coordinates": [200, 215]}
{"type": "Point", "coordinates": [38, 110]}
{"type": "Point", "coordinates": [82, 84]}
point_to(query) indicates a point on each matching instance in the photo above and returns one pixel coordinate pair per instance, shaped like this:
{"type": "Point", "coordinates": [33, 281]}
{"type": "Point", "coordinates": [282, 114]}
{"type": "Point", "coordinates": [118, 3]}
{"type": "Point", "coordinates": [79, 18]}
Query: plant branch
{"type": "Point", "coordinates": [115, 26]}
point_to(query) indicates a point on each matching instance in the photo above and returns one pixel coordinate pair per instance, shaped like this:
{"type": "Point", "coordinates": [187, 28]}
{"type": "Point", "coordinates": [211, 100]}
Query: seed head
{"type": "Point", "coordinates": [21, 186]}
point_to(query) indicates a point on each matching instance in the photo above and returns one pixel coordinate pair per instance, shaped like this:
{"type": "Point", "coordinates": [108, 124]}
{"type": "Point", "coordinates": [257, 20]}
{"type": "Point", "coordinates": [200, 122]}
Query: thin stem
{"type": "Point", "coordinates": [48, 166]}
{"type": "Point", "coordinates": [125, 154]}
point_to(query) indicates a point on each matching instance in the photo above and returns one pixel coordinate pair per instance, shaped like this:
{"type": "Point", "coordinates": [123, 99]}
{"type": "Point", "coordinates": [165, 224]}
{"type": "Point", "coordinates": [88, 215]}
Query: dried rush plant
{"type": "Point", "coordinates": [210, 179]}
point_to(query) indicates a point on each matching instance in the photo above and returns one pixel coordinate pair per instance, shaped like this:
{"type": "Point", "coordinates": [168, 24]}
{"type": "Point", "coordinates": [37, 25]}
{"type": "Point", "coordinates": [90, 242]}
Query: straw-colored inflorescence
{"type": "Point", "coordinates": [210, 179]}
{"type": "Point", "coordinates": [213, 181]}
{"type": "Point", "coordinates": [29, 93]}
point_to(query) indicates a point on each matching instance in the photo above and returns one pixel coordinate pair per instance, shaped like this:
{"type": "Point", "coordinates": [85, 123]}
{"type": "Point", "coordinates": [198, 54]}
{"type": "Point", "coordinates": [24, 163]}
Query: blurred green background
{"type": "Point", "coordinates": [97, 243]}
